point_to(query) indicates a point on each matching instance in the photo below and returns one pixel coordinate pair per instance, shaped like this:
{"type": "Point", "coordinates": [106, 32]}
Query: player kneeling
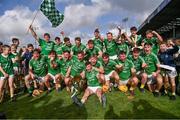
{"type": "Point", "coordinates": [154, 79]}
{"type": "Point", "coordinates": [109, 71]}
{"type": "Point", "coordinates": [127, 73]}
{"type": "Point", "coordinates": [37, 72]}
{"type": "Point", "coordinates": [76, 69]}
{"type": "Point", "coordinates": [139, 64]}
{"type": "Point", "coordinates": [53, 70]}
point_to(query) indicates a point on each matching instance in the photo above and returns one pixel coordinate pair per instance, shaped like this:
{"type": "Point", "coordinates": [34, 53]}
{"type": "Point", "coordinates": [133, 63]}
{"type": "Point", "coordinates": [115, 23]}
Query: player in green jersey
{"type": "Point", "coordinates": [67, 44]}
{"type": "Point", "coordinates": [37, 72]}
{"type": "Point", "coordinates": [45, 44]}
{"type": "Point", "coordinates": [66, 63]}
{"type": "Point", "coordinates": [139, 64]}
{"type": "Point", "coordinates": [91, 50]}
{"type": "Point", "coordinates": [111, 46]}
{"type": "Point", "coordinates": [122, 44]}
{"type": "Point", "coordinates": [6, 71]}
{"type": "Point", "coordinates": [78, 64]}
{"type": "Point", "coordinates": [109, 66]}
{"type": "Point", "coordinates": [76, 69]}
{"type": "Point", "coordinates": [135, 38]}
{"type": "Point", "coordinates": [152, 69]}
{"type": "Point", "coordinates": [58, 47]}
{"type": "Point", "coordinates": [53, 70]}
{"type": "Point", "coordinates": [15, 58]}
{"type": "Point", "coordinates": [93, 84]}
{"type": "Point", "coordinates": [98, 40]}
{"type": "Point", "coordinates": [97, 65]}
{"type": "Point", "coordinates": [78, 46]}
{"type": "Point", "coordinates": [127, 72]}
{"type": "Point", "coordinates": [154, 38]}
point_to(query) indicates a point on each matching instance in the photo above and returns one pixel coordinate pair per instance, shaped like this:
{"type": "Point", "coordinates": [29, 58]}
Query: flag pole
{"type": "Point", "coordinates": [33, 20]}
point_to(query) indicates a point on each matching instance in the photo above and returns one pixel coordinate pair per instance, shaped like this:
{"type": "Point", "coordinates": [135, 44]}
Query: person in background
{"type": "Point", "coordinates": [24, 50]}
{"type": "Point", "coordinates": [91, 50]}
{"type": "Point", "coordinates": [67, 44]}
{"type": "Point", "coordinates": [16, 42]}
{"type": "Point", "coordinates": [123, 45]}
{"type": "Point", "coordinates": [166, 58]}
{"type": "Point", "coordinates": [98, 39]}
{"type": "Point", "coordinates": [78, 46]}
{"type": "Point", "coordinates": [111, 46]}
{"type": "Point", "coordinates": [58, 47]}
{"type": "Point", "coordinates": [27, 57]}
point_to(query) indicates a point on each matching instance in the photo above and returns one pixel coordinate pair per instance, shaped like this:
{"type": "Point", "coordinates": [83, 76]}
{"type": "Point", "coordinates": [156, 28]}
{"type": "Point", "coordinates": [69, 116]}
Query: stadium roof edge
{"type": "Point", "coordinates": [154, 13]}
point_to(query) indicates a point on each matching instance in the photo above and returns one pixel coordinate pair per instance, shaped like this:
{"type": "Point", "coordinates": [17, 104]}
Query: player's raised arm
{"type": "Point", "coordinates": [158, 36]}
{"type": "Point", "coordinates": [33, 32]}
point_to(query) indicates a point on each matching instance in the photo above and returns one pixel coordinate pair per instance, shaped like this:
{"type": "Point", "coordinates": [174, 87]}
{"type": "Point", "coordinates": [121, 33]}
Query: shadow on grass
{"type": "Point", "coordinates": [141, 109]}
{"type": "Point", "coordinates": [43, 107]}
{"type": "Point", "coordinates": [56, 110]}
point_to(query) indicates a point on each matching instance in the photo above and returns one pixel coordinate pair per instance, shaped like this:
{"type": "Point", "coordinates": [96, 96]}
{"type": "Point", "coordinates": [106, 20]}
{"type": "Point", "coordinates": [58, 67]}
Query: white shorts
{"type": "Point", "coordinates": [39, 79]}
{"type": "Point", "coordinates": [124, 82]}
{"type": "Point", "coordinates": [3, 78]}
{"type": "Point", "coordinates": [94, 89]}
{"type": "Point", "coordinates": [151, 80]}
{"type": "Point", "coordinates": [171, 74]}
{"type": "Point", "coordinates": [113, 57]}
{"type": "Point", "coordinates": [16, 70]}
{"type": "Point", "coordinates": [52, 77]}
{"type": "Point", "coordinates": [107, 77]}
{"type": "Point", "coordinates": [138, 73]}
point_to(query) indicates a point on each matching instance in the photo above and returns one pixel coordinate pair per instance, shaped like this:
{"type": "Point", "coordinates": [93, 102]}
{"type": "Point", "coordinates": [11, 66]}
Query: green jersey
{"type": "Point", "coordinates": [46, 47]}
{"type": "Point", "coordinates": [38, 66]}
{"type": "Point", "coordinates": [137, 62]}
{"type": "Point", "coordinates": [123, 47]}
{"type": "Point", "coordinates": [98, 43]}
{"type": "Point", "coordinates": [109, 67]}
{"type": "Point", "coordinates": [137, 39]}
{"type": "Point", "coordinates": [111, 47]}
{"type": "Point", "coordinates": [58, 49]}
{"type": "Point", "coordinates": [76, 49]}
{"type": "Point", "coordinates": [52, 70]}
{"type": "Point", "coordinates": [13, 56]}
{"type": "Point", "coordinates": [98, 64]}
{"type": "Point", "coordinates": [6, 64]}
{"type": "Point", "coordinates": [77, 66]}
{"type": "Point", "coordinates": [66, 48]}
{"type": "Point", "coordinates": [65, 64]}
{"type": "Point", "coordinates": [125, 74]}
{"type": "Point", "coordinates": [151, 61]}
{"type": "Point", "coordinates": [91, 77]}
{"type": "Point", "coordinates": [91, 52]}
{"type": "Point", "coordinates": [154, 42]}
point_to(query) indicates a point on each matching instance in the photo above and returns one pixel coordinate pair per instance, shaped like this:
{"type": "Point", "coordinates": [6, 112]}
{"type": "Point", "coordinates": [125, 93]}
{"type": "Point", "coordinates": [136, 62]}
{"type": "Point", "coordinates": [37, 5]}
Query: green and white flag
{"type": "Point", "coordinates": [48, 9]}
